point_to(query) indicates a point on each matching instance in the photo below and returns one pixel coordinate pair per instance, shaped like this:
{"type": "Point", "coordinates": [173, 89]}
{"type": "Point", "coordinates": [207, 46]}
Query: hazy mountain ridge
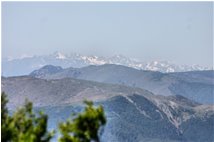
{"type": "Point", "coordinates": [195, 85]}
{"type": "Point", "coordinates": [146, 116]}
{"type": "Point", "coordinates": [25, 65]}
{"type": "Point", "coordinates": [59, 91]}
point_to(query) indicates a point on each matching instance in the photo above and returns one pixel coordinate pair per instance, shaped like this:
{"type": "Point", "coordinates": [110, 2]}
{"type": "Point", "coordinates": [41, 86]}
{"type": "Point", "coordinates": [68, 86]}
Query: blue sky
{"type": "Point", "coordinates": [180, 32]}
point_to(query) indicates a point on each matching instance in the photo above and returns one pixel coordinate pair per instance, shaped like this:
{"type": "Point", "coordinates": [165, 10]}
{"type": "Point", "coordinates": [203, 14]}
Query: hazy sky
{"type": "Point", "coordinates": [180, 32]}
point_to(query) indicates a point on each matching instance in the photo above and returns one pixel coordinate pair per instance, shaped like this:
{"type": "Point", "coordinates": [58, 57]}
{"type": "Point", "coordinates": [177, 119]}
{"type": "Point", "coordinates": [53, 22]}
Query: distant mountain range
{"type": "Point", "coordinates": [133, 114]}
{"type": "Point", "coordinates": [152, 102]}
{"type": "Point", "coordinates": [195, 85]}
{"type": "Point", "coordinates": [26, 64]}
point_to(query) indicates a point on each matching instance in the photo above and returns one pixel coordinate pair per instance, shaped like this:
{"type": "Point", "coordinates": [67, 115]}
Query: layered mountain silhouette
{"type": "Point", "coordinates": [133, 114]}
{"type": "Point", "coordinates": [195, 85]}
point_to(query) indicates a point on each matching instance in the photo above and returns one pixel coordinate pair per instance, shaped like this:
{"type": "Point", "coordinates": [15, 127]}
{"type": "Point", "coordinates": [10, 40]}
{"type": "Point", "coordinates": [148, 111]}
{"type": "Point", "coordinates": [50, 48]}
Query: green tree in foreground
{"type": "Point", "coordinates": [85, 126]}
{"type": "Point", "coordinates": [6, 131]}
{"type": "Point", "coordinates": [24, 126]}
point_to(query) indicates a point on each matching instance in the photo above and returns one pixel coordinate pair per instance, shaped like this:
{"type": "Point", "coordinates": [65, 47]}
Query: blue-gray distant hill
{"type": "Point", "coordinates": [195, 85]}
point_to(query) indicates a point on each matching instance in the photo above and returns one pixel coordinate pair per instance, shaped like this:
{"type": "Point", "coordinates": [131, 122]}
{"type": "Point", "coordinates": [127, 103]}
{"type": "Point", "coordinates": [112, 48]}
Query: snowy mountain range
{"type": "Point", "coordinates": [26, 64]}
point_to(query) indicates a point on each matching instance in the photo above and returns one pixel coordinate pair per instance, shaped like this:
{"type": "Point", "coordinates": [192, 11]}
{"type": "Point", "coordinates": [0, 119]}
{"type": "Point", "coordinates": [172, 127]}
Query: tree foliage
{"type": "Point", "coordinates": [6, 131]}
{"type": "Point", "coordinates": [25, 126]}
{"type": "Point", "coordinates": [85, 126]}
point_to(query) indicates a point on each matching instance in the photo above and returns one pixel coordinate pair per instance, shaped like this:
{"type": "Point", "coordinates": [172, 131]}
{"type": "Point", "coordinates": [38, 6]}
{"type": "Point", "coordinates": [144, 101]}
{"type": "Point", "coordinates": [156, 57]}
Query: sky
{"type": "Point", "coordinates": [179, 32]}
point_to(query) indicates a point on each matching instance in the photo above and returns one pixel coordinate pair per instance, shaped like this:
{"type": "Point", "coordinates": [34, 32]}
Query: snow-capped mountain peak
{"type": "Point", "coordinates": [93, 60]}
{"type": "Point", "coordinates": [59, 55]}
